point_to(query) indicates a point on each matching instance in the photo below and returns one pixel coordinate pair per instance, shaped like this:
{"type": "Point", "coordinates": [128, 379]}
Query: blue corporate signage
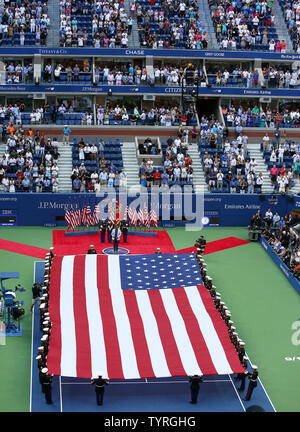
{"type": "Point", "coordinates": [280, 264]}
{"type": "Point", "coordinates": [156, 90]}
{"type": "Point", "coordinates": [132, 52]}
{"type": "Point", "coordinates": [222, 210]}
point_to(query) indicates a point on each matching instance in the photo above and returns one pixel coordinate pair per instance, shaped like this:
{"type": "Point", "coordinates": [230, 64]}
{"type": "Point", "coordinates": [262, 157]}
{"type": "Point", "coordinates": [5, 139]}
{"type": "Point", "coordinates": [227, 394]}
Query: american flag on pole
{"type": "Point", "coordinates": [68, 218]}
{"type": "Point", "coordinates": [135, 317]}
{"type": "Point", "coordinates": [153, 218]}
{"type": "Point", "coordinates": [73, 219]}
{"type": "Point", "coordinates": [89, 221]}
{"type": "Point", "coordinates": [140, 216]}
{"type": "Point", "coordinates": [111, 212]}
{"type": "Point", "coordinates": [78, 217]}
{"type": "Point", "coordinates": [83, 216]}
{"type": "Point", "coordinates": [96, 214]}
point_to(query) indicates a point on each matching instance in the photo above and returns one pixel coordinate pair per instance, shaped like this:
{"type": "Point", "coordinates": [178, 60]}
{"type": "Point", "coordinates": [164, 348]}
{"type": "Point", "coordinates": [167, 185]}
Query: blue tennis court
{"type": "Point", "coordinates": [217, 393]}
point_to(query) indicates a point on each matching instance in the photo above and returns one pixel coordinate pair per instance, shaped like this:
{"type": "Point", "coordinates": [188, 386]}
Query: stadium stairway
{"type": "Point", "coordinates": [133, 39]}
{"type": "Point", "coordinates": [295, 190]}
{"type": "Point", "coordinates": [65, 167]}
{"type": "Point", "coordinates": [54, 15]}
{"type": "Point", "coordinates": [281, 27]}
{"type": "Point", "coordinates": [199, 182]}
{"type": "Point", "coordinates": [254, 152]}
{"type": "Point", "coordinates": [208, 23]}
{"type": "Point", "coordinates": [130, 165]}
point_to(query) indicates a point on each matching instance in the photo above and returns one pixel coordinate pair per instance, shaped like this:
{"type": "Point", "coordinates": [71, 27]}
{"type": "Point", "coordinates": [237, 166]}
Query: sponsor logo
{"type": "Point", "coordinates": [135, 52]}
{"type": "Point", "coordinates": [58, 51]}
{"type": "Point", "coordinates": [214, 54]}
{"type": "Point", "coordinates": [54, 205]}
{"type": "Point", "coordinates": [173, 90]}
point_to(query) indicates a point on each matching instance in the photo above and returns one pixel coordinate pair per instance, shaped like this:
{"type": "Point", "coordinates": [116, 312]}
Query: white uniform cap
{"type": "Point", "coordinates": [45, 329]}
{"type": "Point", "coordinates": [46, 313]}
{"type": "Point", "coordinates": [218, 297]}
{"type": "Point", "coordinates": [45, 337]}
{"type": "Point", "coordinates": [230, 322]}
{"type": "Point", "coordinates": [45, 321]}
{"type": "Point", "coordinates": [234, 333]}
{"type": "Point", "coordinates": [222, 303]}
{"type": "Point", "coordinates": [44, 370]}
{"type": "Point", "coordinates": [245, 358]}
{"type": "Point", "coordinates": [40, 348]}
{"type": "Point", "coordinates": [209, 278]}
{"type": "Point", "coordinates": [227, 313]}
{"type": "Point", "coordinates": [254, 367]}
{"type": "Point", "coordinates": [91, 245]}
{"type": "Point", "coordinates": [42, 305]}
{"type": "Point", "coordinates": [218, 294]}
{"type": "Point", "coordinates": [242, 343]}
{"type": "Point", "coordinates": [213, 286]}
{"type": "Point", "coordinates": [51, 248]}
{"type": "Point", "coordinates": [38, 357]}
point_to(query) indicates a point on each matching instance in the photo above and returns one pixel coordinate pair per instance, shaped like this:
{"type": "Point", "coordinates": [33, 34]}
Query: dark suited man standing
{"type": "Point", "coordinates": [124, 228]}
{"type": "Point", "coordinates": [195, 381]}
{"type": "Point", "coordinates": [100, 383]}
{"type": "Point", "coordinates": [103, 228]}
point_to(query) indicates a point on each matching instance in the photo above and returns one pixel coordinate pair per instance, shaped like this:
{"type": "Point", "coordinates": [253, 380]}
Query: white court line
{"type": "Point", "coordinates": [237, 393]}
{"type": "Point", "coordinates": [262, 385]}
{"type": "Point", "coordinates": [148, 382]}
{"type": "Point", "coordinates": [60, 395]}
{"type": "Point", "coordinates": [31, 361]}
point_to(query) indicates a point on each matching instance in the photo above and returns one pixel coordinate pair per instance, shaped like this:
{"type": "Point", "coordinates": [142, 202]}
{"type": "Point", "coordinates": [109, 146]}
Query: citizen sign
{"type": "Point", "coordinates": [173, 90]}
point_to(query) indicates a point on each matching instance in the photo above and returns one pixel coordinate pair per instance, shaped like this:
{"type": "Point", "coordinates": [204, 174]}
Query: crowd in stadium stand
{"type": "Point", "coordinates": [95, 171]}
{"type": "Point", "coordinates": [177, 163]}
{"type": "Point", "coordinates": [30, 162]}
{"type": "Point", "coordinates": [276, 230]}
{"type": "Point", "coordinates": [275, 77]}
{"type": "Point", "coordinates": [222, 75]}
{"type": "Point", "coordinates": [158, 116]}
{"type": "Point", "coordinates": [23, 23]}
{"type": "Point", "coordinates": [15, 73]}
{"type": "Point", "coordinates": [258, 117]}
{"type": "Point", "coordinates": [242, 25]}
{"type": "Point", "coordinates": [93, 23]}
{"type": "Point", "coordinates": [172, 24]}
{"type": "Point", "coordinates": [291, 11]}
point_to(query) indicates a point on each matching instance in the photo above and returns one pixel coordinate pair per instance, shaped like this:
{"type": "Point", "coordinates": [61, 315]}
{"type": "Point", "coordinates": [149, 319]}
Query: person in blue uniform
{"type": "Point", "coordinates": [252, 382]}
{"type": "Point", "coordinates": [99, 387]}
{"type": "Point", "coordinates": [242, 376]}
{"type": "Point", "coordinates": [195, 381]}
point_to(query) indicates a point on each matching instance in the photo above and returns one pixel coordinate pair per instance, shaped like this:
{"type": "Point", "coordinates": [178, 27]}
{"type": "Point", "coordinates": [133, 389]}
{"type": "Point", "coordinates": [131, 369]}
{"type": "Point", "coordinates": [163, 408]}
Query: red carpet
{"type": "Point", "coordinates": [218, 245]}
{"type": "Point", "coordinates": [23, 249]}
{"type": "Point", "coordinates": [136, 244]}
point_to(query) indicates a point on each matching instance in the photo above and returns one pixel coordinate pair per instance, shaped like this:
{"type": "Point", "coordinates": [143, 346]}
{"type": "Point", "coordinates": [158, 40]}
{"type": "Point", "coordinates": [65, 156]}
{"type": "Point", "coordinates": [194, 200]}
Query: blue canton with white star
{"type": "Point", "coordinates": [159, 271]}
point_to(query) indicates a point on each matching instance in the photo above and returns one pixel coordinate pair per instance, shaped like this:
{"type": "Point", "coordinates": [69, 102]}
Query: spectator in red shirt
{"type": "Point", "coordinates": [156, 178]}
{"type": "Point", "coordinates": [274, 173]}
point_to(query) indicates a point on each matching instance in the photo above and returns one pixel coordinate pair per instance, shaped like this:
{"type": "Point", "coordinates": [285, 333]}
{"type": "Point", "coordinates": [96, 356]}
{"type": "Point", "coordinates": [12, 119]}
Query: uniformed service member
{"type": "Point", "coordinates": [195, 381]}
{"type": "Point", "coordinates": [103, 228]}
{"type": "Point", "coordinates": [46, 381]}
{"type": "Point", "coordinates": [92, 250]}
{"type": "Point", "coordinates": [110, 227]}
{"type": "Point", "coordinates": [252, 382]}
{"type": "Point", "coordinates": [242, 376]}
{"type": "Point", "coordinates": [201, 243]}
{"type": "Point", "coordinates": [100, 383]}
{"type": "Point", "coordinates": [36, 292]}
{"type": "Point", "coordinates": [124, 225]}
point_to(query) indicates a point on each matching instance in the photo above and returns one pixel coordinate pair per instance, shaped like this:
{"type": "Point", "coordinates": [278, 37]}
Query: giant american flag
{"type": "Point", "coordinates": [134, 316]}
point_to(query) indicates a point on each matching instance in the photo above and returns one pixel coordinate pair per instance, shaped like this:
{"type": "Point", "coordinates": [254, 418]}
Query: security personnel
{"type": "Point", "coordinates": [110, 227]}
{"type": "Point", "coordinates": [103, 228]}
{"type": "Point", "coordinates": [124, 228]}
{"type": "Point", "coordinates": [100, 383]}
{"type": "Point", "coordinates": [252, 383]}
{"type": "Point", "coordinates": [242, 376]}
{"type": "Point", "coordinates": [92, 250]}
{"type": "Point", "coordinates": [46, 381]}
{"type": "Point", "coordinates": [116, 235]}
{"type": "Point", "coordinates": [195, 381]}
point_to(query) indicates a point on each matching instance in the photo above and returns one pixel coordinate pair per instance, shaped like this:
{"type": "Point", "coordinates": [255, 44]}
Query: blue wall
{"type": "Point", "coordinates": [231, 210]}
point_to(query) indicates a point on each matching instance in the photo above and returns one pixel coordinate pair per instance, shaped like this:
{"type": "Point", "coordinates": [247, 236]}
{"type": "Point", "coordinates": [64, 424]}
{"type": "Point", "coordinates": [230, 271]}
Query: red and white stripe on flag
{"type": "Point", "coordinates": [131, 333]}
